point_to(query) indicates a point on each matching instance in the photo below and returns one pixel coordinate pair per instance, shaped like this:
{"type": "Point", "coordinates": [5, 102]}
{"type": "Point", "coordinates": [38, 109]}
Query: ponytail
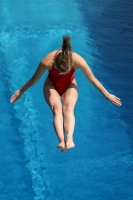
{"type": "Point", "coordinates": [64, 59]}
{"type": "Point", "coordinates": [66, 46]}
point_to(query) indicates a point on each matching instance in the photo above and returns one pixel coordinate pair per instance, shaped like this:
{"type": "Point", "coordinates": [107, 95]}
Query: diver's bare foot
{"type": "Point", "coordinates": [62, 146]}
{"type": "Point", "coordinates": [69, 143]}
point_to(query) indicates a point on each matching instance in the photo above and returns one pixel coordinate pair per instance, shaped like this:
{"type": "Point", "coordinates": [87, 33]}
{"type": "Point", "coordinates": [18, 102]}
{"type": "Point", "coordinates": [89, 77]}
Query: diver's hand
{"type": "Point", "coordinates": [113, 99]}
{"type": "Point", "coordinates": [16, 96]}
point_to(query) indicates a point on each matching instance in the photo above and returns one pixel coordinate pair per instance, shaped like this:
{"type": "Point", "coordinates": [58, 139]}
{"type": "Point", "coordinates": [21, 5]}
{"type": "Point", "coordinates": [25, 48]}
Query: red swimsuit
{"type": "Point", "coordinates": [61, 81]}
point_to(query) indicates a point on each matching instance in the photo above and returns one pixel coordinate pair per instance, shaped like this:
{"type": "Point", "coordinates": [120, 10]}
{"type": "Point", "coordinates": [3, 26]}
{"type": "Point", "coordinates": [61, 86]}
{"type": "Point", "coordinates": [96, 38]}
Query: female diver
{"type": "Point", "coordinates": [61, 83]}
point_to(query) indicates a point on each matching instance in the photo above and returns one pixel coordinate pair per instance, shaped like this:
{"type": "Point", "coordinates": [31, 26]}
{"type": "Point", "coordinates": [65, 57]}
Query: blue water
{"type": "Point", "coordinates": [100, 167]}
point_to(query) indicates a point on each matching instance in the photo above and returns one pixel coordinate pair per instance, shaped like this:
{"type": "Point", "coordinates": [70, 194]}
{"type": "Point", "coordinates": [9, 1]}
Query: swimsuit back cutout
{"type": "Point", "coordinates": [61, 81]}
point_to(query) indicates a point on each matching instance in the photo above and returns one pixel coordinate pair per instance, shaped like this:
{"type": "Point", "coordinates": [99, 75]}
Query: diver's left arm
{"type": "Point", "coordinates": [38, 73]}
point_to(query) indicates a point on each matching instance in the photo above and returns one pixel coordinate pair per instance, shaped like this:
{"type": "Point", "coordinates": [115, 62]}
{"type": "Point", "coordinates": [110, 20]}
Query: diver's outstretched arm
{"type": "Point", "coordinates": [42, 67]}
{"type": "Point", "coordinates": [80, 63]}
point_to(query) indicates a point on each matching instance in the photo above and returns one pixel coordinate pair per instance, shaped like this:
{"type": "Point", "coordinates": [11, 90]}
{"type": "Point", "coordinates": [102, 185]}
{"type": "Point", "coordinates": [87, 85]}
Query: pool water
{"type": "Point", "coordinates": [100, 167]}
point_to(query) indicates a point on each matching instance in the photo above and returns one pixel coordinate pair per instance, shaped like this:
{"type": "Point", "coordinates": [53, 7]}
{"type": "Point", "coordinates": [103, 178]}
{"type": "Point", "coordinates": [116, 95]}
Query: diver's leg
{"type": "Point", "coordinates": [53, 99]}
{"type": "Point", "coordinates": [69, 100]}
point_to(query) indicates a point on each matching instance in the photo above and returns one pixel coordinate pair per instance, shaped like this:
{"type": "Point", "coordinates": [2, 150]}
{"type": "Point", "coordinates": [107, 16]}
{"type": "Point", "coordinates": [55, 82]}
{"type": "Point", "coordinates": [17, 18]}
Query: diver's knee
{"type": "Point", "coordinates": [57, 109]}
{"type": "Point", "coordinates": [68, 108]}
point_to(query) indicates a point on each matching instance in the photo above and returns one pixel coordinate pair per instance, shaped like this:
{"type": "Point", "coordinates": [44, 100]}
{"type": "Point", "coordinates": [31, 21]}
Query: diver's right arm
{"type": "Point", "coordinates": [80, 63]}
